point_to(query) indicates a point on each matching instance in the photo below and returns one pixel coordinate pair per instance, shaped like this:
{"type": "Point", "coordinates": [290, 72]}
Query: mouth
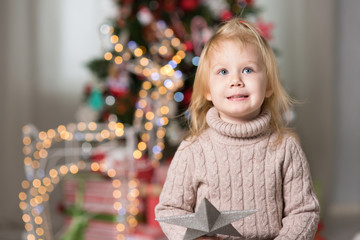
{"type": "Point", "coordinates": [238, 97]}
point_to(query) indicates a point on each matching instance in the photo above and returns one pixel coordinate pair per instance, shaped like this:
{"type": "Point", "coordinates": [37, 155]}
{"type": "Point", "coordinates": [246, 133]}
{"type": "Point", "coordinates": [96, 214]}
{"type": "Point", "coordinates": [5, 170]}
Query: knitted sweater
{"type": "Point", "coordinates": [238, 167]}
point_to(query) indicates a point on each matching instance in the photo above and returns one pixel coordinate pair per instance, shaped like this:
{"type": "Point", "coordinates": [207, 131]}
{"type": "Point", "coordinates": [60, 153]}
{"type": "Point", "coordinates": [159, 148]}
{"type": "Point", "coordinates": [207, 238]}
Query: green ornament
{"type": "Point", "coordinates": [96, 100]}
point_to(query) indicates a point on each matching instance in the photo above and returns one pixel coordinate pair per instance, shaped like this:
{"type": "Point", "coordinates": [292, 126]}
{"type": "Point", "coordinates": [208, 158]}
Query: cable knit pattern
{"type": "Point", "coordinates": [238, 167]}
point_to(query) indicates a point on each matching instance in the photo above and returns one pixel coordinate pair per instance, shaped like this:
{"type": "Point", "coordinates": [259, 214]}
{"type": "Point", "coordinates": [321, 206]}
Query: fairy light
{"type": "Point", "coordinates": [35, 164]}
{"type": "Point", "coordinates": [27, 161]}
{"type": "Point", "coordinates": [138, 52]}
{"type": "Point", "coordinates": [30, 237]}
{"type": "Point", "coordinates": [95, 166]}
{"type": "Point", "coordinates": [26, 141]}
{"type": "Point", "coordinates": [126, 56]}
{"type": "Point", "coordinates": [162, 90]}
{"type": "Point", "coordinates": [114, 39]}
{"type": "Point", "coordinates": [108, 56]}
{"type": "Point", "coordinates": [118, 60]}
{"type": "Point", "coordinates": [117, 194]}
{"type": "Point", "coordinates": [120, 227]}
{"type": "Point", "coordinates": [144, 61]}
{"type": "Point", "coordinates": [139, 113]}
{"type": "Point", "coordinates": [146, 85]}
{"type": "Point", "coordinates": [141, 146]}
{"type": "Point", "coordinates": [175, 42]}
{"type": "Point", "coordinates": [74, 169]}
{"type": "Point", "coordinates": [63, 170]}
{"type": "Point", "coordinates": [169, 33]}
{"type": "Point", "coordinates": [163, 50]}
{"type": "Point", "coordinates": [148, 126]}
{"type": "Point", "coordinates": [26, 150]}
{"type": "Point", "coordinates": [150, 116]}
{"type": "Point", "coordinates": [118, 47]}
{"type": "Point", "coordinates": [50, 188]}
{"type": "Point", "coordinates": [36, 155]}
{"type": "Point", "coordinates": [36, 190]}
{"type": "Point", "coordinates": [81, 126]}
{"type": "Point", "coordinates": [137, 154]}
{"type": "Point", "coordinates": [42, 190]}
{"type": "Point", "coordinates": [111, 173]}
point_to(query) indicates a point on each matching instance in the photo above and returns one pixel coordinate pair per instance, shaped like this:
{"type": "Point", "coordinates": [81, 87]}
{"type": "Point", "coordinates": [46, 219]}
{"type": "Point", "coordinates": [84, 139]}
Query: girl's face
{"type": "Point", "coordinates": [237, 81]}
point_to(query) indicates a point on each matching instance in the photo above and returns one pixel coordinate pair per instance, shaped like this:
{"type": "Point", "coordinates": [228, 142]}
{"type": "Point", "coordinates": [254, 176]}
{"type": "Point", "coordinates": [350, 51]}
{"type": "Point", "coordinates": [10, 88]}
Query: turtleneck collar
{"type": "Point", "coordinates": [253, 128]}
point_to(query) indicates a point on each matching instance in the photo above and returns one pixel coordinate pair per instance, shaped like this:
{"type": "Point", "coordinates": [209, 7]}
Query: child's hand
{"type": "Point", "coordinates": [209, 238]}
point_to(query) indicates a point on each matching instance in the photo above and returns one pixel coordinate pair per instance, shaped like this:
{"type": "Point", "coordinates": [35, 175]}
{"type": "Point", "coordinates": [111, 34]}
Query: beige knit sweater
{"type": "Point", "coordinates": [238, 167]}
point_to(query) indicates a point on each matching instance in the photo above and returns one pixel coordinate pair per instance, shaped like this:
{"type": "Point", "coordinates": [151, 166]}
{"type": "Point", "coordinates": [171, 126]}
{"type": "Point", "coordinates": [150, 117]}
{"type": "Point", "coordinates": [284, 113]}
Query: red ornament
{"type": "Point", "coordinates": [187, 96]}
{"type": "Point", "coordinates": [189, 5]}
{"type": "Point", "coordinates": [189, 46]}
{"type": "Point", "coordinates": [226, 15]}
{"type": "Point", "coordinates": [98, 157]}
{"type": "Point", "coordinates": [118, 92]}
{"type": "Point", "coordinates": [265, 29]}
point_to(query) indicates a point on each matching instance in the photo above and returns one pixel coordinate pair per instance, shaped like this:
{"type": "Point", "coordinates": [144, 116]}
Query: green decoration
{"type": "Point", "coordinates": [96, 100]}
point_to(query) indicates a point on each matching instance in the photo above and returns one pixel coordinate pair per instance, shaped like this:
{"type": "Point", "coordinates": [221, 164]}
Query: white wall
{"type": "Point", "coordinates": [66, 38]}
{"type": "Point", "coordinates": [320, 65]}
{"type": "Point", "coordinates": [346, 197]}
{"type": "Point", "coordinates": [44, 46]}
{"type": "Point", "coordinates": [15, 103]}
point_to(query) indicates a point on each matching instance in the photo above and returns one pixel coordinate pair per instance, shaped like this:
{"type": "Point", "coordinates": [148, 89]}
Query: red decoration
{"type": "Point", "coordinates": [98, 157]}
{"type": "Point", "coordinates": [265, 29]}
{"type": "Point", "coordinates": [189, 5]}
{"type": "Point", "coordinates": [118, 92]}
{"type": "Point", "coordinates": [144, 169]}
{"type": "Point", "coordinates": [319, 229]}
{"type": "Point", "coordinates": [151, 203]}
{"type": "Point", "coordinates": [226, 15]}
{"type": "Point", "coordinates": [187, 96]}
{"type": "Point", "coordinates": [189, 46]}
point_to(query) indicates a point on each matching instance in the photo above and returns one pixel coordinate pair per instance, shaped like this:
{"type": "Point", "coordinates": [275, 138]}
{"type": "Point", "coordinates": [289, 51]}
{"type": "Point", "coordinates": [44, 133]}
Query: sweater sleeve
{"type": "Point", "coordinates": [178, 195]}
{"type": "Point", "coordinates": [301, 207]}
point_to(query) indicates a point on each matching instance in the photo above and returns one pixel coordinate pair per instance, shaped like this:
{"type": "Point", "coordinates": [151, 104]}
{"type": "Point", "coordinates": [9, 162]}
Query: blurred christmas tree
{"type": "Point", "coordinates": [151, 50]}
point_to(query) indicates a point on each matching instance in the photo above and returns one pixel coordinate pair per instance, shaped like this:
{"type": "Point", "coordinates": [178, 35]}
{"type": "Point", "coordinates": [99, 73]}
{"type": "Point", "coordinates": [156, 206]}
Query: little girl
{"type": "Point", "coordinates": [239, 155]}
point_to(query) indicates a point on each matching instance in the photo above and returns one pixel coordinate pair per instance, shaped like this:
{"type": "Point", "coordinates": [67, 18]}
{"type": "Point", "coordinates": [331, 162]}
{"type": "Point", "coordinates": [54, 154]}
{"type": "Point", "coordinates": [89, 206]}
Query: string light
{"type": "Point", "coordinates": [39, 184]}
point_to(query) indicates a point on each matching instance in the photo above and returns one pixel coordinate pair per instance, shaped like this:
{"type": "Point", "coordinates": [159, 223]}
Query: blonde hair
{"type": "Point", "coordinates": [245, 33]}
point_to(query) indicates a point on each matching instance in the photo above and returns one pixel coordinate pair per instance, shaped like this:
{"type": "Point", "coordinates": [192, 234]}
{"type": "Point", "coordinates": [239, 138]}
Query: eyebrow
{"type": "Point", "coordinates": [220, 64]}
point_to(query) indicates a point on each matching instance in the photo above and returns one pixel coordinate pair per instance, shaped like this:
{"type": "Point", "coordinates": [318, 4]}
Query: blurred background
{"type": "Point", "coordinates": [44, 46]}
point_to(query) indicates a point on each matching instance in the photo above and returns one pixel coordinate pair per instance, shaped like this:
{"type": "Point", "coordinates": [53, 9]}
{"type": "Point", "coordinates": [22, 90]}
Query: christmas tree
{"type": "Point", "coordinates": [151, 51]}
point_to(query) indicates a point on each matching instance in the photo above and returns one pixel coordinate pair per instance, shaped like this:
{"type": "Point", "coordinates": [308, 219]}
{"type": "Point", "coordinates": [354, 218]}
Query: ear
{"type": "Point", "coordinates": [268, 93]}
{"type": "Point", "coordinates": [208, 96]}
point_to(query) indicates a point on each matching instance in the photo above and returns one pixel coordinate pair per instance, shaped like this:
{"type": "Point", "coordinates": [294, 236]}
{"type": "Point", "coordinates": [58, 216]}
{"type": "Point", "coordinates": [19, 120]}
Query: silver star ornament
{"type": "Point", "coordinates": [207, 220]}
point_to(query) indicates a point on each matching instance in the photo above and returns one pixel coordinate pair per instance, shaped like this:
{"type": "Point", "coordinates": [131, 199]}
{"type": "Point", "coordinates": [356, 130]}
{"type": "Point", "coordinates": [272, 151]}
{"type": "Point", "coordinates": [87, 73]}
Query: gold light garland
{"type": "Point", "coordinates": [40, 182]}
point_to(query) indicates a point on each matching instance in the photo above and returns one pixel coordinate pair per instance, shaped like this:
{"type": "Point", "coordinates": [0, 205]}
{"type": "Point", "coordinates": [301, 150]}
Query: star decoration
{"type": "Point", "coordinates": [207, 220]}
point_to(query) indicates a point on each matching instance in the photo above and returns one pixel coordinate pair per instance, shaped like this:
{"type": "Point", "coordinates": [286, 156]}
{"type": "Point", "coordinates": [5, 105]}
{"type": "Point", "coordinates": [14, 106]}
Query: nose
{"type": "Point", "coordinates": [236, 81]}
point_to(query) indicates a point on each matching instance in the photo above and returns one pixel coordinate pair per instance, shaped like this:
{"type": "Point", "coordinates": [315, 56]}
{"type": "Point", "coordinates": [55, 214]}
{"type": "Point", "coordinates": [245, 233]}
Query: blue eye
{"type": "Point", "coordinates": [247, 70]}
{"type": "Point", "coordinates": [223, 72]}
